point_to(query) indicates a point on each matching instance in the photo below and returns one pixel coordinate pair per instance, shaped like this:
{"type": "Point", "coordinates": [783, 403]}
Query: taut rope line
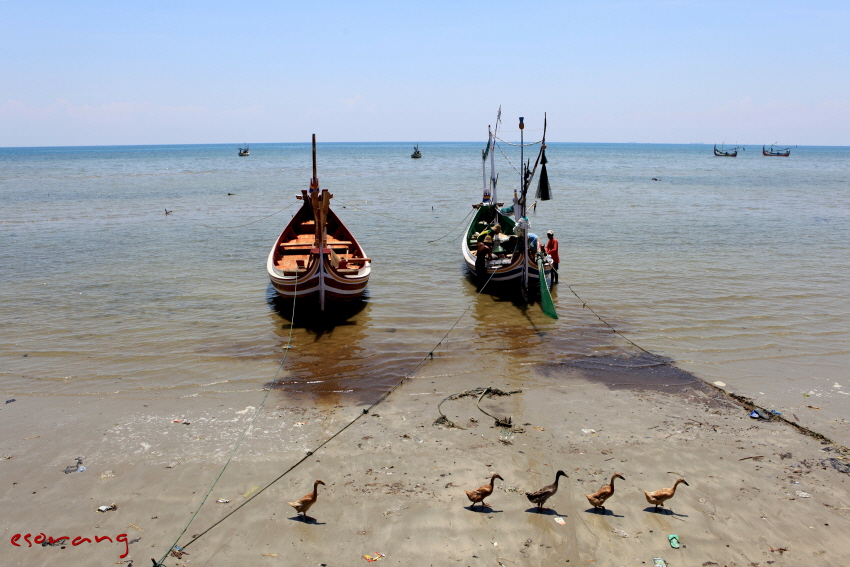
{"type": "Point", "coordinates": [406, 377]}
{"type": "Point", "coordinates": [250, 428]}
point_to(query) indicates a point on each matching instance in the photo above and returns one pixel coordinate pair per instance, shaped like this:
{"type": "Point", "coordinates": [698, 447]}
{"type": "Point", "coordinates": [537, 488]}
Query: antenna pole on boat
{"type": "Point", "coordinates": [521, 205]}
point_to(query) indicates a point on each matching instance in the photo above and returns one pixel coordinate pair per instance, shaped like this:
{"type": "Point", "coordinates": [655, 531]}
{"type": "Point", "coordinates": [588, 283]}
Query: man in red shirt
{"type": "Point", "coordinates": [552, 250]}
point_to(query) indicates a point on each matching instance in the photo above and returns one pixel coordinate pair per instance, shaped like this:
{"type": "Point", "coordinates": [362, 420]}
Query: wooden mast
{"type": "Point", "coordinates": [319, 199]}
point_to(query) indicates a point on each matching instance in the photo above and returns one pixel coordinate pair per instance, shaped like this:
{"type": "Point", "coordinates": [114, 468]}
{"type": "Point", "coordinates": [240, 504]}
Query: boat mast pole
{"type": "Point", "coordinates": [493, 167]}
{"type": "Point", "coordinates": [319, 219]}
{"type": "Point", "coordinates": [523, 223]}
{"type": "Point", "coordinates": [484, 168]}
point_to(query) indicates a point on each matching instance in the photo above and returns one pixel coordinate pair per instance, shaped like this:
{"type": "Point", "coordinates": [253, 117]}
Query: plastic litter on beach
{"type": "Point", "coordinates": [674, 541]}
{"type": "Point", "coordinates": [619, 532]}
{"type": "Point", "coordinates": [658, 562]}
{"type": "Point", "coordinates": [801, 494]}
{"type": "Point", "coordinates": [756, 414]}
{"type": "Point", "coordinates": [222, 501]}
{"type": "Point", "coordinates": [107, 508]}
{"type": "Point", "coordinates": [10, 401]}
{"type": "Point", "coordinates": [774, 412]}
{"type": "Point", "coordinates": [588, 431]}
{"type": "Point", "coordinates": [560, 521]}
{"type": "Point", "coordinates": [75, 467]}
{"type": "Point", "coordinates": [374, 557]}
{"type": "Point", "coordinates": [250, 492]}
{"type": "Point", "coordinates": [720, 384]}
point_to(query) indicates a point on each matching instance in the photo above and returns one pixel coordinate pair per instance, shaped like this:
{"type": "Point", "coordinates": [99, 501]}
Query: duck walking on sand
{"type": "Point", "coordinates": [540, 497]}
{"type": "Point", "coordinates": [482, 492]}
{"type": "Point", "coordinates": [598, 498]}
{"type": "Point", "coordinates": [660, 496]}
{"type": "Point", "coordinates": [308, 500]}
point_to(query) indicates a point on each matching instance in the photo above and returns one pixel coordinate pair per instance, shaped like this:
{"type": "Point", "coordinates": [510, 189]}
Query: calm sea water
{"type": "Point", "coordinates": [737, 269]}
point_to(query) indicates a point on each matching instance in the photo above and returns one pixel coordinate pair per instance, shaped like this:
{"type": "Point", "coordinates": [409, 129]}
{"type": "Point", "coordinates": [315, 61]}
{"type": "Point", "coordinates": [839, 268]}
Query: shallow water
{"type": "Point", "coordinates": [734, 268]}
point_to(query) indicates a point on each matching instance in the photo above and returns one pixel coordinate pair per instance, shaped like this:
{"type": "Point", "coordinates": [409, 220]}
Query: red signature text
{"type": "Point", "coordinates": [44, 540]}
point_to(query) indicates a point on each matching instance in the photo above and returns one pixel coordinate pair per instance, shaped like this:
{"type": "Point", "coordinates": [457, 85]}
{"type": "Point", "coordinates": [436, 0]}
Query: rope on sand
{"type": "Point", "coordinates": [366, 411]}
{"type": "Point", "coordinates": [446, 422]}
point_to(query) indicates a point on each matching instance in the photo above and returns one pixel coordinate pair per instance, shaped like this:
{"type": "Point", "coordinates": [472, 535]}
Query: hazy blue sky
{"type": "Point", "coordinates": [99, 73]}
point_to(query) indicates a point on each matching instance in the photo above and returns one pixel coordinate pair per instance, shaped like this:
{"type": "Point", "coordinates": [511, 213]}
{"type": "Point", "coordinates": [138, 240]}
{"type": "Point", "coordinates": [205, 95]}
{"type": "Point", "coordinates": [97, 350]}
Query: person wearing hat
{"type": "Point", "coordinates": [552, 250]}
{"type": "Point", "coordinates": [492, 231]}
{"type": "Point", "coordinates": [485, 248]}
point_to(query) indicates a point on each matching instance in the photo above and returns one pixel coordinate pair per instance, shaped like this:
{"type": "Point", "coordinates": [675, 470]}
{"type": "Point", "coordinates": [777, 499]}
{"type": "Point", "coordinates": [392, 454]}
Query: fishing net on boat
{"type": "Point", "coordinates": [544, 192]}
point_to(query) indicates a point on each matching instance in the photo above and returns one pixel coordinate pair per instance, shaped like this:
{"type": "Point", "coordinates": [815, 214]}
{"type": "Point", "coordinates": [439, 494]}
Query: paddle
{"type": "Point", "coordinates": [545, 297]}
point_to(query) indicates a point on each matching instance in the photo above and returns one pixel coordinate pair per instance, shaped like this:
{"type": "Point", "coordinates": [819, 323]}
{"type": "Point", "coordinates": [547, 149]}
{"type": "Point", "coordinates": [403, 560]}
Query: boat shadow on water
{"type": "Point", "coordinates": [309, 316]}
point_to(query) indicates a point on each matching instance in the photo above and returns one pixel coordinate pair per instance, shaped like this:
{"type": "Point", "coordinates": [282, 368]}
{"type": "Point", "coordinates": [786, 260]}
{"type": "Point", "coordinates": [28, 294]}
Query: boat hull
{"type": "Point", "coordinates": [505, 272]}
{"type": "Point", "coordinates": [300, 271]}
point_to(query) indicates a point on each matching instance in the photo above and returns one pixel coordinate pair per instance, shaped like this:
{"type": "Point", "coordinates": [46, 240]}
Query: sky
{"type": "Point", "coordinates": [251, 71]}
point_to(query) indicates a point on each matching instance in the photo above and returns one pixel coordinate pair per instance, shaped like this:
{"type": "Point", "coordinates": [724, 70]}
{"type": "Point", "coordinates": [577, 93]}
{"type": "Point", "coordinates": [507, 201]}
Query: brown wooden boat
{"type": "Point", "coordinates": [316, 256]}
{"type": "Point", "coordinates": [776, 153]}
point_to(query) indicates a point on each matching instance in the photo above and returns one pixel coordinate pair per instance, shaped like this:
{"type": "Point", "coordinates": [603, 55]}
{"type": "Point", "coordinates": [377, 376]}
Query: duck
{"type": "Point", "coordinates": [598, 498]}
{"type": "Point", "coordinates": [482, 492]}
{"type": "Point", "coordinates": [308, 500]}
{"type": "Point", "coordinates": [540, 497]}
{"type": "Point", "coordinates": [660, 496]}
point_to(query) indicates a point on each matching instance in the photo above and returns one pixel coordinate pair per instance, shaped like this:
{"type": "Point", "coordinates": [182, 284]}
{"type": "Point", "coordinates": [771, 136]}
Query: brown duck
{"type": "Point", "coordinates": [598, 498]}
{"type": "Point", "coordinates": [482, 492]}
{"type": "Point", "coordinates": [308, 500]}
{"type": "Point", "coordinates": [660, 496]}
{"type": "Point", "coordinates": [541, 496]}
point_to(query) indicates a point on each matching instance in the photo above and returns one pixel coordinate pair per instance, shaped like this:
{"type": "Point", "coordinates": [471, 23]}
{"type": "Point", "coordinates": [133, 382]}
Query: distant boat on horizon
{"type": "Point", "coordinates": [785, 152]}
{"type": "Point", "coordinates": [246, 151]}
{"type": "Point", "coordinates": [416, 153]}
{"type": "Point", "coordinates": [725, 153]}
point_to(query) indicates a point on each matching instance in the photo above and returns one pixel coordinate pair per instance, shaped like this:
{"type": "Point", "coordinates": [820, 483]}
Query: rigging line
{"type": "Point", "coordinates": [453, 228]}
{"type": "Point", "coordinates": [247, 223]}
{"type": "Point", "coordinates": [250, 428]}
{"type": "Point", "coordinates": [406, 377]}
{"type": "Point", "coordinates": [520, 145]}
{"type": "Point", "coordinates": [506, 157]}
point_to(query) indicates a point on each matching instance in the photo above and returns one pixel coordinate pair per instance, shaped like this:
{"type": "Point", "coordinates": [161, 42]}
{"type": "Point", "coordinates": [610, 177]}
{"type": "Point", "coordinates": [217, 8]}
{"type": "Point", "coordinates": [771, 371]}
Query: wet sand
{"type": "Point", "coordinates": [395, 481]}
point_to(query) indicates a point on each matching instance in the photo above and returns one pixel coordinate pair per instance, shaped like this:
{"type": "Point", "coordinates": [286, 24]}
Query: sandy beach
{"type": "Point", "coordinates": [760, 492]}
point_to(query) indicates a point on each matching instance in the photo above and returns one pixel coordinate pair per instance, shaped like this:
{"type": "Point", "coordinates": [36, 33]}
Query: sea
{"type": "Point", "coordinates": [736, 270]}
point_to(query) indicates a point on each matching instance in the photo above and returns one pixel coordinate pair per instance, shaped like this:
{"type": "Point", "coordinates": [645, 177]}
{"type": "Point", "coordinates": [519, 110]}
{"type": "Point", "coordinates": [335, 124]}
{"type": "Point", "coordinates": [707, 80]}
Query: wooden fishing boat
{"type": "Point", "coordinates": [246, 151]}
{"type": "Point", "coordinates": [725, 153]}
{"type": "Point", "coordinates": [776, 153]}
{"type": "Point", "coordinates": [517, 264]}
{"type": "Point", "coordinates": [416, 153]}
{"type": "Point", "coordinates": [316, 257]}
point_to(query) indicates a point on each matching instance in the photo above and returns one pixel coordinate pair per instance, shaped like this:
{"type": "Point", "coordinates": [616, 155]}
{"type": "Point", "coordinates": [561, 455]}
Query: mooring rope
{"type": "Point", "coordinates": [405, 378]}
{"type": "Point", "coordinates": [247, 223]}
{"type": "Point", "coordinates": [244, 434]}
{"type": "Point", "coordinates": [622, 336]}
{"type": "Point", "coordinates": [373, 213]}
{"type": "Point", "coordinates": [453, 228]}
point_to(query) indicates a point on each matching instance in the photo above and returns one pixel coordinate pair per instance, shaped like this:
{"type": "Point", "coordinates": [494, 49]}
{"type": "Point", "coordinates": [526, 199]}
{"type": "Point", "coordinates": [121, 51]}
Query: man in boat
{"type": "Point", "coordinates": [485, 248]}
{"type": "Point", "coordinates": [552, 251]}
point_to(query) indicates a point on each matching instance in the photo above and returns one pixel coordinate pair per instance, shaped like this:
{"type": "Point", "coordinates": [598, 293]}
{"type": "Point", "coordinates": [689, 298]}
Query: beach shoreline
{"type": "Point", "coordinates": [395, 481]}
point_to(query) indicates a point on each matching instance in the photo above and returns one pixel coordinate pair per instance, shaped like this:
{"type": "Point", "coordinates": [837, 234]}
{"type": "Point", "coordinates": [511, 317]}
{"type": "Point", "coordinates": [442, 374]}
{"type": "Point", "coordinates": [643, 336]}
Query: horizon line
{"type": "Point", "coordinates": [413, 142]}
